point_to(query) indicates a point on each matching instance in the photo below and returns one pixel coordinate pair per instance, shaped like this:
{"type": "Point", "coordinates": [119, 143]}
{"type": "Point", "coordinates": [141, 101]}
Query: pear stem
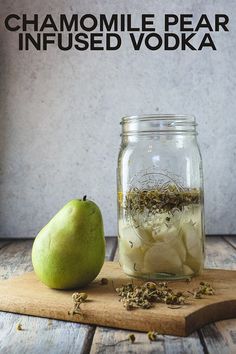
{"type": "Point", "coordinates": [84, 198]}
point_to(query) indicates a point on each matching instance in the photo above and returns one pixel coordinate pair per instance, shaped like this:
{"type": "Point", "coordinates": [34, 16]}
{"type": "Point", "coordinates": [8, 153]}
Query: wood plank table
{"type": "Point", "coordinates": [41, 335]}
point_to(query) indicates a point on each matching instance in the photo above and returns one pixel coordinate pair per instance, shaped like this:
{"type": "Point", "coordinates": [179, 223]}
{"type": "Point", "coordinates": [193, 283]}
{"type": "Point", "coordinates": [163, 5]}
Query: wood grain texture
{"type": "Point", "coordinates": [231, 240]}
{"type": "Point", "coordinates": [15, 258]}
{"type": "Point", "coordinates": [4, 242]}
{"type": "Point", "coordinates": [39, 335]}
{"type": "Point", "coordinates": [27, 295]}
{"type": "Point", "coordinates": [115, 341]}
{"type": "Point", "coordinates": [220, 337]}
{"type": "Point", "coordinates": [219, 254]}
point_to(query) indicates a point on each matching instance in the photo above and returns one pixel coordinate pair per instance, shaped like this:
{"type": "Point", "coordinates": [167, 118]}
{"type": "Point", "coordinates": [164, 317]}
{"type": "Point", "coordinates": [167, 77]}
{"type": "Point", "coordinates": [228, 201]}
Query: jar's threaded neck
{"type": "Point", "coordinates": [159, 124]}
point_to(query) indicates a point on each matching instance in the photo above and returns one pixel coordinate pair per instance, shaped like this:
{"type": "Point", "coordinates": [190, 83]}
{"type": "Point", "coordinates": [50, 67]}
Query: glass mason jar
{"type": "Point", "coordinates": [160, 197]}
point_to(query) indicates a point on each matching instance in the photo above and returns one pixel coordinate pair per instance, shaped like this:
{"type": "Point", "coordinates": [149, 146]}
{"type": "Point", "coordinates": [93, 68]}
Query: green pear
{"type": "Point", "coordinates": [70, 250]}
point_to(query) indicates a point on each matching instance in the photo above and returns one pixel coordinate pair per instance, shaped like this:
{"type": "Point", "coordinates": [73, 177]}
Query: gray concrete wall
{"type": "Point", "coordinates": [60, 114]}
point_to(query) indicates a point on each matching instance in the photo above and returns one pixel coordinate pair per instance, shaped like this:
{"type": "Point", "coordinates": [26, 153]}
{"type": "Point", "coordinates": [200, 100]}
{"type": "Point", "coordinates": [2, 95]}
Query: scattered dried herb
{"type": "Point", "coordinates": [167, 198]}
{"type": "Point", "coordinates": [131, 244]}
{"type": "Point", "coordinates": [104, 281]}
{"type": "Point", "coordinates": [131, 338]}
{"type": "Point", "coordinates": [144, 296]}
{"type": "Point", "coordinates": [78, 299]}
{"type": "Point", "coordinates": [188, 280]}
{"type": "Point", "coordinates": [152, 336]}
{"type": "Point", "coordinates": [203, 289]}
{"type": "Point", "coordinates": [19, 327]}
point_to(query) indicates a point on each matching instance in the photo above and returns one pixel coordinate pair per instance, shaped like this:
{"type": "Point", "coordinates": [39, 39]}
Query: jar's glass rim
{"type": "Point", "coordinates": [159, 124]}
{"type": "Point", "coordinates": [183, 118]}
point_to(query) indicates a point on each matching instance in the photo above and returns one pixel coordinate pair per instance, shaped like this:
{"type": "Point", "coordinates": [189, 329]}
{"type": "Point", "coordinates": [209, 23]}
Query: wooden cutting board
{"type": "Point", "coordinates": [26, 295]}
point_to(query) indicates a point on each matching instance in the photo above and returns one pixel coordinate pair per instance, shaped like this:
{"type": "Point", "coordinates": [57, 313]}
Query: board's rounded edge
{"type": "Point", "coordinates": [217, 311]}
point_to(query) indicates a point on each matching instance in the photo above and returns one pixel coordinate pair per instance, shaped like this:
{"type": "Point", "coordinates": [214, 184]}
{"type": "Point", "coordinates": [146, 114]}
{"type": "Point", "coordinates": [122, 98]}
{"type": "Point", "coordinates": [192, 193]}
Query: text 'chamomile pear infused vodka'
{"type": "Point", "coordinates": [160, 198]}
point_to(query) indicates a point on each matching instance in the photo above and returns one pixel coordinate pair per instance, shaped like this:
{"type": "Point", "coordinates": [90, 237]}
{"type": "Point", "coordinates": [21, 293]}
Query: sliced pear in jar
{"type": "Point", "coordinates": [142, 228]}
{"type": "Point", "coordinates": [130, 248]}
{"type": "Point", "coordinates": [131, 257]}
{"type": "Point", "coordinates": [128, 233]}
{"type": "Point", "coordinates": [171, 236]}
{"type": "Point", "coordinates": [187, 270]}
{"type": "Point", "coordinates": [193, 243]}
{"type": "Point", "coordinates": [195, 264]}
{"type": "Point", "coordinates": [160, 258]}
